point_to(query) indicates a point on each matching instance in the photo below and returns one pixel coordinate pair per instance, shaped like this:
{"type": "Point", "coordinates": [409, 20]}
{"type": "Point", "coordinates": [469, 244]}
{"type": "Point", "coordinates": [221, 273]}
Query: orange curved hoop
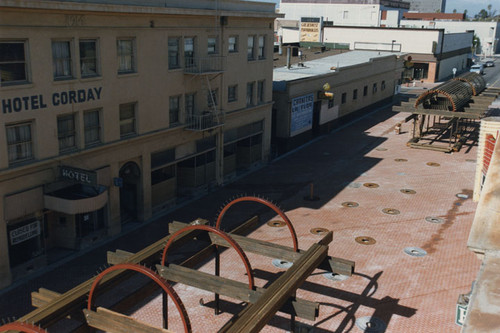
{"type": "Point", "coordinates": [153, 276]}
{"type": "Point", "coordinates": [21, 327]}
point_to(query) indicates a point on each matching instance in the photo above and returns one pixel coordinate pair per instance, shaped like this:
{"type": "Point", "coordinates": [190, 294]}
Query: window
{"type": "Point", "coordinates": [345, 14]}
{"type": "Point", "coordinates": [88, 58]}
{"type": "Point", "coordinates": [66, 132]}
{"type": "Point", "coordinates": [127, 119]}
{"type": "Point", "coordinates": [250, 93]}
{"type": "Point", "coordinates": [232, 93]}
{"type": "Point", "coordinates": [382, 86]}
{"type": "Point", "coordinates": [13, 68]}
{"type": "Point", "coordinates": [126, 56]}
{"type": "Point", "coordinates": [374, 88]}
{"type": "Point", "coordinates": [212, 45]}
{"type": "Point", "coordinates": [212, 98]}
{"type": "Point", "coordinates": [61, 58]}
{"type": "Point", "coordinates": [173, 53]}
{"type": "Point", "coordinates": [365, 90]}
{"type": "Point", "coordinates": [260, 92]}
{"type": "Point", "coordinates": [189, 51]}
{"type": "Point", "coordinates": [233, 44]}
{"type": "Point", "coordinates": [174, 108]}
{"type": "Point", "coordinates": [189, 103]}
{"type": "Point", "coordinates": [355, 94]}
{"type": "Point", "coordinates": [262, 49]}
{"type": "Point", "coordinates": [250, 55]}
{"type": "Point", "coordinates": [330, 103]}
{"type": "Point", "coordinates": [19, 142]}
{"type": "Point", "coordinates": [344, 98]}
{"type": "Point", "coordinates": [92, 127]}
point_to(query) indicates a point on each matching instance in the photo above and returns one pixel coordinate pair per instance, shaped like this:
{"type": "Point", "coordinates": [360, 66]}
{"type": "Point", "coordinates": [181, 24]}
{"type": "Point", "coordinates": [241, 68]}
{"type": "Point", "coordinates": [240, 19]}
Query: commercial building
{"type": "Point", "coordinates": [113, 111]}
{"type": "Point", "coordinates": [432, 54]}
{"type": "Point", "coordinates": [313, 96]}
{"type": "Point", "coordinates": [427, 6]}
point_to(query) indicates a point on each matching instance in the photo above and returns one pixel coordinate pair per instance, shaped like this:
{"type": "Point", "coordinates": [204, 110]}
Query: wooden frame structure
{"type": "Point", "coordinates": [262, 304]}
{"type": "Point", "coordinates": [448, 113]}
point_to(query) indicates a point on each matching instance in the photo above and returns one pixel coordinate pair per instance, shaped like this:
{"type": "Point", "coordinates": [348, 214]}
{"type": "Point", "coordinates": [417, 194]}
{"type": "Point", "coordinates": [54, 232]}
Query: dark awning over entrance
{"type": "Point", "coordinates": [76, 199]}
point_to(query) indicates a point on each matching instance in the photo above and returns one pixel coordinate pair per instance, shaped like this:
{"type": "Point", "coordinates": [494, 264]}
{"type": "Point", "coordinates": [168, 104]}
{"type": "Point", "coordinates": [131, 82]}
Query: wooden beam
{"type": "Point", "coordinates": [113, 322]}
{"type": "Point", "coordinates": [470, 115]}
{"type": "Point", "coordinates": [255, 316]}
{"type": "Point", "coordinates": [118, 256]}
{"type": "Point", "coordinates": [234, 289]}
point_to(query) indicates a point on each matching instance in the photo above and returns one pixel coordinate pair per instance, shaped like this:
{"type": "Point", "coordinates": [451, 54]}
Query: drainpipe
{"type": "Point", "coordinates": [288, 57]}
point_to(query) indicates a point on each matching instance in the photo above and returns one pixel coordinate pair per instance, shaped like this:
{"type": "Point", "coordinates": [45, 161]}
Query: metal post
{"type": "Point", "coordinates": [165, 309]}
{"type": "Point", "coordinates": [217, 273]}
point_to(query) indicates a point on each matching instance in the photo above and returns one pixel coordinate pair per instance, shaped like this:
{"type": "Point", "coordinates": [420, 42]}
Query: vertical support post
{"type": "Point", "coordinates": [217, 273]}
{"type": "Point", "coordinates": [165, 309]}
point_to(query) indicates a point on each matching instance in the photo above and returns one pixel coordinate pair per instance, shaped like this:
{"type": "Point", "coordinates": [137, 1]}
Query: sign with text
{"type": "Point", "coordinates": [78, 175]}
{"type": "Point", "coordinates": [25, 232]}
{"type": "Point", "coordinates": [302, 113]}
{"type": "Point", "coordinates": [310, 28]}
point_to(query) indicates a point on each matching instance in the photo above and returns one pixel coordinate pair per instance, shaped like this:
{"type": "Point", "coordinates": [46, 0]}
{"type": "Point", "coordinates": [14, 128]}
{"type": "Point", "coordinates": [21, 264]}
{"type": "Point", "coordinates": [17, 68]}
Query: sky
{"type": "Point", "coordinates": [473, 6]}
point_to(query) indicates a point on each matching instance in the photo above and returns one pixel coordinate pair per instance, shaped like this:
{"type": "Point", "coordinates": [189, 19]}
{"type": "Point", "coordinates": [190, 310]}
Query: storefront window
{"type": "Point", "coordinates": [25, 241]}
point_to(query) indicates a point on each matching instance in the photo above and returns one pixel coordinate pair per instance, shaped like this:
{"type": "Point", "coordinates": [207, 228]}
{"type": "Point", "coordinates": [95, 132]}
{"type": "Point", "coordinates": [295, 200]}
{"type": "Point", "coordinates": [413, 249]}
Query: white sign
{"type": "Point", "coordinates": [302, 113]}
{"type": "Point", "coordinates": [24, 233]}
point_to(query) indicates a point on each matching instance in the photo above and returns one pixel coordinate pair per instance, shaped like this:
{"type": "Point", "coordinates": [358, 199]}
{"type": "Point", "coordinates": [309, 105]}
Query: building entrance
{"type": "Point", "coordinates": [131, 174]}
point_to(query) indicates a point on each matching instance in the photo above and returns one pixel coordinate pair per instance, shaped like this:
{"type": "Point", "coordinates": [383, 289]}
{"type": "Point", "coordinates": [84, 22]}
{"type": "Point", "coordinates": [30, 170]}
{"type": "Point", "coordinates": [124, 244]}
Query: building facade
{"type": "Point", "coordinates": [113, 111]}
{"type": "Point", "coordinates": [312, 97]}
{"type": "Point", "coordinates": [432, 54]}
{"type": "Point", "coordinates": [428, 6]}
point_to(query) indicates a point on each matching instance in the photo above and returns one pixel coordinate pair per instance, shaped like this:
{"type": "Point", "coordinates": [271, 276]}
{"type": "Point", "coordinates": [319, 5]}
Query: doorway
{"type": "Point", "coordinates": [130, 174]}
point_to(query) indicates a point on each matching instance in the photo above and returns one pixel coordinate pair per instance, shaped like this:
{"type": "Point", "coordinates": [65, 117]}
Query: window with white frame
{"type": "Point", "coordinates": [232, 93]}
{"type": "Point", "coordinates": [174, 109]}
{"type": "Point", "coordinates": [212, 45]}
{"type": "Point", "coordinates": [189, 105]}
{"type": "Point", "coordinates": [92, 127]}
{"type": "Point", "coordinates": [126, 55]}
{"type": "Point", "coordinates": [88, 58]}
{"type": "Point", "coordinates": [232, 44]}
{"type": "Point", "coordinates": [262, 48]}
{"type": "Point", "coordinates": [66, 132]}
{"type": "Point", "coordinates": [13, 64]}
{"type": "Point", "coordinates": [19, 142]}
{"type": "Point", "coordinates": [127, 119]}
{"type": "Point", "coordinates": [61, 59]}
{"type": "Point", "coordinates": [250, 87]}
{"type": "Point", "coordinates": [250, 48]}
{"type": "Point", "coordinates": [345, 14]}
{"type": "Point", "coordinates": [260, 92]}
{"type": "Point", "coordinates": [189, 51]}
{"type": "Point", "coordinates": [174, 53]}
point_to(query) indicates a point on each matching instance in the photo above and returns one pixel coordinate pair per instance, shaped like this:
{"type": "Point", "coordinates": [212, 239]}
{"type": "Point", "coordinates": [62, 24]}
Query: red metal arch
{"type": "Point", "coordinates": [423, 96]}
{"type": "Point", "coordinates": [21, 327]}
{"type": "Point", "coordinates": [268, 204]}
{"type": "Point", "coordinates": [153, 276]}
{"type": "Point", "coordinates": [222, 234]}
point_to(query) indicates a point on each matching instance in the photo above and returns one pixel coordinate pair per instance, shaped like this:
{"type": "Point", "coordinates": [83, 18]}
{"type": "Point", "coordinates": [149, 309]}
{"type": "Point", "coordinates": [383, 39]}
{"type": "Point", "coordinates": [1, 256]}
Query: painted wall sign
{"type": "Point", "coordinates": [78, 175]}
{"type": "Point", "coordinates": [25, 232]}
{"type": "Point", "coordinates": [302, 112]}
{"type": "Point", "coordinates": [37, 102]}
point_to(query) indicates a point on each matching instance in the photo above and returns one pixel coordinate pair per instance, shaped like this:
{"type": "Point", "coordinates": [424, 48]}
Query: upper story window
{"type": "Point", "coordinates": [189, 51]}
{"type": "Point", "coordinates": [374, 88]}
{"type": "Point", "coordinates": [88, 58]}
{"type": "Point", "coordinates": [66, 132]}
{"type": "Point", "coordinates": [262, 48]}
{"type": "Point", "coordinates": [382, 85]}
{"type": "Point", "coordinates": [344, 98]}
{"type": "Point", "coordinates": [365, 90]}
{"type": "Point", "coordinates": [61, 59]}
{"type": "Point", "coordinates": [92, 127]}
{"type": "Point", "coordinates": [260, 92]}
{"type": "Point", "coordinates": [125, 49]}
{"type": "Point", "coordinates": [212, 45]}
{"type": "Point", "coordinates": [189, 103]}
{"type": "Point", "coordinates": [330, 103]}
{"type": "Point", "coordinates": [232, 93]}
{"type": "Point", "coordinates": [250, 87]}
{"type": "Point", "coordinates": [174, 53]}
{"type": "Point", "coordinates": [174, 109]}
{"type": "Point", "coordinates": [232, 44]}
{"type": "Point", "coordinates": [345, 14]}
{"type": "Point", "coordinates": [19, 142]}
{"type": "Point", "coordinates": [250, 47]}
{"type": "Point", "coordinates": [13, 67]}
{"type": "Point", "coordinates": [355, 94]}
{"type": "Point", "coordinates": [127, 119]}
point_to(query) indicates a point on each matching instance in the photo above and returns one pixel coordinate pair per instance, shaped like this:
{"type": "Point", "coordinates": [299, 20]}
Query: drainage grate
{"type": "Point", "coordinates": [400, 160]}
{"type": "Point", "coordinates": [434, 219]}
{"type": "Point", "coordinates": [390, 211]}
{"type": "Point", "coordinates": [335, 276]}
{"type": "Point", "coordinates": [462, 196]}
{"type": "Point", "coordinates": [370, 185]}
{"type": "Point", "coordinates": [371, 324]}
{"type": "Point", "coordinates": [350, 204]}
{"type": "Point", "coordinates": [276, 223]}
{"type": "Point", "coordinates": [319, 231]}
{"type": "Point", "coordinates": [415, 251]}
{"type": "Point", "coordinates": [433, 164]}
{"type": "Point", "coordinates": [365, 240]}
{"type": "Point", "coordinates": [408, 191]}
{"type": "Point", "coordinates": [282, 263]}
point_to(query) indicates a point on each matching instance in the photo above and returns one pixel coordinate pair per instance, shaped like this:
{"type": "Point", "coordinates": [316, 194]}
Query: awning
{"type": "Point", "coordinates": [76, 199]}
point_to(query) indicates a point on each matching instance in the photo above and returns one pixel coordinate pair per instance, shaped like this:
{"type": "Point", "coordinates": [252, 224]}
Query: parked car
{"type": "Point", "coordinates": [489, 63]}
{"type": "Point", "coordinates": [478, 68]}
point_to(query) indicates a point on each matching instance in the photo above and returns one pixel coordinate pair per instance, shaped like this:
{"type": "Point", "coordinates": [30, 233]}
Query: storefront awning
{"type": "Point", "coordinates": [76, 199]}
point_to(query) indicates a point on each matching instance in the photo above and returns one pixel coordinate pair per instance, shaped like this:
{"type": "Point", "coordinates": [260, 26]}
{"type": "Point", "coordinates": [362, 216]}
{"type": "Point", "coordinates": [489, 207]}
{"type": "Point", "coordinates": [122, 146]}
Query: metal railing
{"type": "Point", "coordinates": [204, 65]}
{"type": "Point", "coordinates": [205, 121]}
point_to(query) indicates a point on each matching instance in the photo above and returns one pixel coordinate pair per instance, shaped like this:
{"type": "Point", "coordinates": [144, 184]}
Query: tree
{"type": "Point", "coordinates": [454, 11]}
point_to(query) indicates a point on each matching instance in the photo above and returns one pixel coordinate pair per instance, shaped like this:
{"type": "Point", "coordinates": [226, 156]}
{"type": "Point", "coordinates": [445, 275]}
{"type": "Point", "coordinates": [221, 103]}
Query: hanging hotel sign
{"type": "Point", "coordinates": [302, 112]}
{"type": "Point", "coordinates": [25, 232]}
{"type": "Point", "coordinates": [37, 102]}
{"type": "Point", "coordinates": [310, 29]}
{"type": "Point", "coordinates": [78, 175]}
